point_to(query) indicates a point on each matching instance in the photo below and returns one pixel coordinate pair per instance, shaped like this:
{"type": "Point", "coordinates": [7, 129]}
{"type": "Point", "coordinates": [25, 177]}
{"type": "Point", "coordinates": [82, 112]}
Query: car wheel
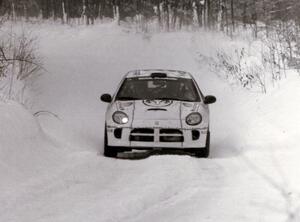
{"type": "Point", "coordinates": [108, 151]}
{"type": "Point", "coordinates": [204, 152]}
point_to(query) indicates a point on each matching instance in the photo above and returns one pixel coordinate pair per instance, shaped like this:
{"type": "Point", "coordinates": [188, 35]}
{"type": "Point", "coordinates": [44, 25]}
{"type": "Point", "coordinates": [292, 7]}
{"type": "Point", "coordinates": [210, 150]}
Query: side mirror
{"type": "Point", "coordinates": [106, 98]}
{"type": "Point", "coordinates": [209, 99]}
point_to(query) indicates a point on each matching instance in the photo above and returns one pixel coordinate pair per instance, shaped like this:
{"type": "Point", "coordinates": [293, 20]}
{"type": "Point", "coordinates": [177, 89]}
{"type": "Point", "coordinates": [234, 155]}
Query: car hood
{"type": "Point", "coordinates": [158, 113]}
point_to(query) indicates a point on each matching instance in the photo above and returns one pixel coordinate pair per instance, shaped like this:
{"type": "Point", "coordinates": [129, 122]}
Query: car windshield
{"type": "Point", "coordinates": [158, 89]}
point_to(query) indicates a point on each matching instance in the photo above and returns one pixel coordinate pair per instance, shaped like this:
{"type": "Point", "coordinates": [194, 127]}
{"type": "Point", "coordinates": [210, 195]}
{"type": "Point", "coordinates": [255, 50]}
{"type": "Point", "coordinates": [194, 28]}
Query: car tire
{"type": "Point", "coordinates": [204, 152]}
{"type": "Point", "coordinates": [108, 151]}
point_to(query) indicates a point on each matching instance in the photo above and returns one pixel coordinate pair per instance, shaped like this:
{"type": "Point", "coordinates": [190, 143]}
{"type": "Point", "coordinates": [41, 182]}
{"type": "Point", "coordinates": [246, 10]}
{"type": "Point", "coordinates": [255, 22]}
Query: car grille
{"type": "Point", "coordinates": [153, 135]}
{"type": "Point", "coordinates": [142, 134]}
{"type": "Point", "coordinates": [170, 135]}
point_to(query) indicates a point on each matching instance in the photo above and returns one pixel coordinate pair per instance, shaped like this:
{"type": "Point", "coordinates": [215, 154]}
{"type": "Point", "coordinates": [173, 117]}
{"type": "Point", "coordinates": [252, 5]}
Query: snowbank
{"type": "Point", "coordinates": [25, 151]}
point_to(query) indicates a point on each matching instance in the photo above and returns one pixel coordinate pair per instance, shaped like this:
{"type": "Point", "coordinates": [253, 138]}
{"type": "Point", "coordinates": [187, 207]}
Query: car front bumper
{"type": "Point", "coordinates": [151, 138]}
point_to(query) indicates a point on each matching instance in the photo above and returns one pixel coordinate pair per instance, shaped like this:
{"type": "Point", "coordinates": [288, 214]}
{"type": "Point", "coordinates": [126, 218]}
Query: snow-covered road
{"type": "Point", "coordinates": [252, 152]}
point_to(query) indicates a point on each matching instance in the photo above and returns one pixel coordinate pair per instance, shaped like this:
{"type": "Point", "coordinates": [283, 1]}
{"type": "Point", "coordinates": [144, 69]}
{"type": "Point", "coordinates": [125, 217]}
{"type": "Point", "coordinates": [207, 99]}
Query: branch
{"type": "Point", "coordinates": [3, 54]}
{"type": "Point", "coordinates": [22, 60]}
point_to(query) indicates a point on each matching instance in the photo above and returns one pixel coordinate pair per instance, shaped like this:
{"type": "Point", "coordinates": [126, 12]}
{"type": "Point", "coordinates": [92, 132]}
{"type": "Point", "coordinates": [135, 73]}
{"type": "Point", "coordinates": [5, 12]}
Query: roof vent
{"type": "Point", "coordinates": [158, 75]}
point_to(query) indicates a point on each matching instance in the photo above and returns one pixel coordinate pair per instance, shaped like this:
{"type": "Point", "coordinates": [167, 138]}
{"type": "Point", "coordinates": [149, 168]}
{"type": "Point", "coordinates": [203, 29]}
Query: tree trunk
{"type": "Point", "coordinates": [64, 13]}
{"type": "Point", "coordinates": [158, 13]}
{"type": "Point", "coordinates": [226, 18]}
{"type": "Point", "coordinates": [168, 17]}
{"type": "Point", "coordinates": [25, 12]}
{"type": "Point", "coordinates": [220, 16]}
{"type": "Point", "coordinates": [195, 14]}
{"type": "Point", "coordinates": [116, 11]}
{"type": "Point", "coordinates": [209, 17]}
{"type": "Point", "coordinates": [232, 17]}
{"type": "Point", "coordinates": [13, 11]}
{"type": "Point", "coordinates": [174, 17]}
{"type": "Point", "coordinates": [244, 15]}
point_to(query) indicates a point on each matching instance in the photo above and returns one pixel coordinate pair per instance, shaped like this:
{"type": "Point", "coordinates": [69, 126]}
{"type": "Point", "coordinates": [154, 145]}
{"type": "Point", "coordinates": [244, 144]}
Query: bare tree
{"type": "Point", "coordinates": [19, 65]}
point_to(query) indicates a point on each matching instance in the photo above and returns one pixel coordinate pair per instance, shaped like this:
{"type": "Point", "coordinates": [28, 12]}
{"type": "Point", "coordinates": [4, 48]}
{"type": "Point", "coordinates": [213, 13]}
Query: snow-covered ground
{"type": "Point", "coordinates": [53, 170]}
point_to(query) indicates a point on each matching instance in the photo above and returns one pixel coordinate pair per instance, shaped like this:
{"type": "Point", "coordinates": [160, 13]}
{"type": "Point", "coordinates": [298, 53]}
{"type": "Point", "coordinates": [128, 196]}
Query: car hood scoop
{"type": "Point", "coordinates": [157, 109]}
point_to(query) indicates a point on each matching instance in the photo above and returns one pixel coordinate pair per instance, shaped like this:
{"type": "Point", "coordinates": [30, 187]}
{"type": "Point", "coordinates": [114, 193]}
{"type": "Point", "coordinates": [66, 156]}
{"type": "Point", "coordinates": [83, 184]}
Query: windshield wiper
{"type": "Point", "coordinates": [127, 98]}
{"type": "Point", "coordinates": [168, 98]}
{"type": "Point", "coordinates": [165, 98]}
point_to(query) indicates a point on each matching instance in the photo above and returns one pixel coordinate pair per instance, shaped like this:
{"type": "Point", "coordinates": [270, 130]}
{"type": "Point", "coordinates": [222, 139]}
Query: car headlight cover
{"type": "Point", "coordinates": [120, 117]}
{"type": "Point", "coordinates": [194, 119]}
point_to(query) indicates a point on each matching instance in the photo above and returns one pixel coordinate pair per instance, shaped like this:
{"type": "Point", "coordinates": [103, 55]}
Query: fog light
{"type": "Point", "coordinates": [118, 133]}
{"type": "Point", "coordinates": [195, 134]}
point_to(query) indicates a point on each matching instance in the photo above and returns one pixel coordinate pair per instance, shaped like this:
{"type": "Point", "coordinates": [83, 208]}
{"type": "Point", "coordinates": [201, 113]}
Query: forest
{"type": "Point", "coordinates": [170, 14]}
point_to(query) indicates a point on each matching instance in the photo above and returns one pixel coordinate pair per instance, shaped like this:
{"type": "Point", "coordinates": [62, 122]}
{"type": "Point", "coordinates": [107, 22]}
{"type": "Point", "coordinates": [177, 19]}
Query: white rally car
{"type": "Point", "coordinates": [157, 109]}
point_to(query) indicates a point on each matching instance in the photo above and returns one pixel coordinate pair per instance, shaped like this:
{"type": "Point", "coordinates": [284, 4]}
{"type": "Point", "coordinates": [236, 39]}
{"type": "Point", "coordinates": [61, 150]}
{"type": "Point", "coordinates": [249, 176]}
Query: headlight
{"type": "Point", "coordinates": [194, 119]}
{"type": "Point", "coordinates": [120, 117]}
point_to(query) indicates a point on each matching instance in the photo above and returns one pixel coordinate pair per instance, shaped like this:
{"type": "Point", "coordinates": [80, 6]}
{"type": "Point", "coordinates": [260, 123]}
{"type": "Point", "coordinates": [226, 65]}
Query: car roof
{"type": "Point", "coordinates": [150, 72]}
